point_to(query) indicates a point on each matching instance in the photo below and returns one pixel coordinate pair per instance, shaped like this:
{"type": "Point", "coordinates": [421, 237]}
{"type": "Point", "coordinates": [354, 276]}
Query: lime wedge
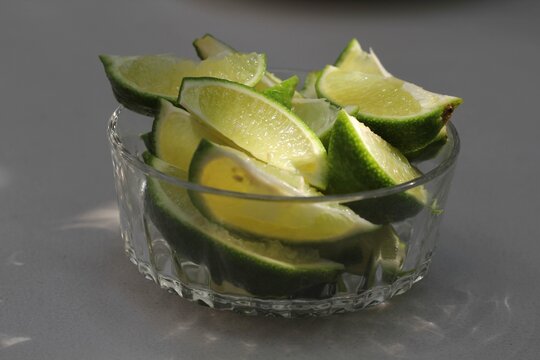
{"type": "Point", "coordinates": [257, 124]}
{"type": "Point", "coordinates": [292, 222]}
{"type": "Point", "coordinates": [283, 92]}
{"type": "Point", "coordinates": [318, 114]}
{"type": "Point", "coordinates": [263, 268]}
{"type": "Point", "coordinates": [405, 115]}
{"type": "Point", "coordinates": [353, 58]}
{"type": "Point", "coordinates": [139, 81]}
{"type": "Point", "coordinates": [208, 45]}
{"type": "Point", "coordinates": [361, 160]}
{"type": "Point", "coordinates": [176, 134]}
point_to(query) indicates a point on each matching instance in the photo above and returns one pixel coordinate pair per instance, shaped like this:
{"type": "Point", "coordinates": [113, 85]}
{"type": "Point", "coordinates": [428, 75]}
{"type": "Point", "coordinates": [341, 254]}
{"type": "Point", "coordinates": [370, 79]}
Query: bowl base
{"type": "Point", "coordinates": [286, 308]}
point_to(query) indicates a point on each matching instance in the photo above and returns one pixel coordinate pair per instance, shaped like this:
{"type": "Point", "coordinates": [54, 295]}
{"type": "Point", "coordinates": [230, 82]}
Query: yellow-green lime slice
{"type": "Point", "coordinates": [405, 115]}
{"type": "Point", "coordinates": [208, 45]}
{"type": "Point", "coordinates": [361, 160]}
{"type": "Point", "coordinates": [257, 124]}
{"type": "Point", "coordinates": [263, 268]}
{"type": "Point", "coordinates": [353, 58]}
{"type": "Point", "coordinates": [138, 82]}
{"type": "Point", "coordinates": [224, 168]}
{"type": "Point", "coordinates": [176, 134]}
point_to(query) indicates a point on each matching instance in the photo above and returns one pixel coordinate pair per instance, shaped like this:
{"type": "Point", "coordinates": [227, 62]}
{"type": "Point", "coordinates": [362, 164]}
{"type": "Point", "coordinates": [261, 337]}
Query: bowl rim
{"type": "Point", "coordinates": [441, 169]}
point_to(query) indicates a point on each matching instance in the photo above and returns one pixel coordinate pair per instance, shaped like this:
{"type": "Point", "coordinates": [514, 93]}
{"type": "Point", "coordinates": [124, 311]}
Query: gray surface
{"type": "Point", "coordinates": [66, 289]}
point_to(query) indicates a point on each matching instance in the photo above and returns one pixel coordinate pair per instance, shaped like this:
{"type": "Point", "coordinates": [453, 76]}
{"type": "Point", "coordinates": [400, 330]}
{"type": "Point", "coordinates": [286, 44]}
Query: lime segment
{"type": "Point", "coordinates": [257, 124]}
{"type": "Point", "coordinates": [208, 45]}
{"type": "Point", "coordinates": [361, 160]}
{"type": "Point", "coordinates": [404, 114]}
{"type": "Point", "coordinates": [176, 134]}
{"type": "Point", "coordinates": [353, 58]}
{"type": "Point", "coordinates": [292, 222]}
{"type": "Point", "coordinates": [139, 81]}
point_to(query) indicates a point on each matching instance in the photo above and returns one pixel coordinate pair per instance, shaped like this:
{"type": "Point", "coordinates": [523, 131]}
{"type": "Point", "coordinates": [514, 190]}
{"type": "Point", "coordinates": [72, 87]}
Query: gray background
{"type": "Point", "coordinates": [66, 289]}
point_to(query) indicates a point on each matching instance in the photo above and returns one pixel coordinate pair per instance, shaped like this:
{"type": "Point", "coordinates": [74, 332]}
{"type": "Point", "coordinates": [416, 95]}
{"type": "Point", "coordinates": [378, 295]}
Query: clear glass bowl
{"type": "Point", "coordinates": [202, 261]}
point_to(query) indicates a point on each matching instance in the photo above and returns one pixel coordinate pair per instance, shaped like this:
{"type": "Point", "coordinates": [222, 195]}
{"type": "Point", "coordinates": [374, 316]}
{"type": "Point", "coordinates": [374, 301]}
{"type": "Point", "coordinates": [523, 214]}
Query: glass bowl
{"type": "Point", "coordinates": [175, 245]}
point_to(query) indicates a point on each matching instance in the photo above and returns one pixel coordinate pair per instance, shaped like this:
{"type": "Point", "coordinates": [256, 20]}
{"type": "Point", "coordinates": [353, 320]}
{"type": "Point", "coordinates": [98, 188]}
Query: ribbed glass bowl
{"type": "Point", "coordinates": [202, 261]}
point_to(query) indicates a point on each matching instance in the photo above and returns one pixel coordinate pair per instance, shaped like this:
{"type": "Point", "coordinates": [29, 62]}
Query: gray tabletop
{"type": "Point", "coordinates": [66, 289]}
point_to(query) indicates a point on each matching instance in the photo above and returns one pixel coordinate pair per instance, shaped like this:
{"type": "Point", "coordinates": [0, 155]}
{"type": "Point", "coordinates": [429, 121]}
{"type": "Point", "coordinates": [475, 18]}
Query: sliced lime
{"type": "Point", "coordinates": [353, 58]}
{"type": "Point", "coordinates": [262, 268]}
{"type": "Point", "coordinates": [361, 160]}
{"type": "Point", "coordinates": [208, 45]}
{"type": "Point", "coordinates": [176, 134]}
{"type": "Point", "coordinates": [257, 124]}
{"type": "Point", "coordinates": [224, 168]}
{"type": "Point", "coordinates": [402, 113]}
{"type": "Point", "coordinates": [138, 82]}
